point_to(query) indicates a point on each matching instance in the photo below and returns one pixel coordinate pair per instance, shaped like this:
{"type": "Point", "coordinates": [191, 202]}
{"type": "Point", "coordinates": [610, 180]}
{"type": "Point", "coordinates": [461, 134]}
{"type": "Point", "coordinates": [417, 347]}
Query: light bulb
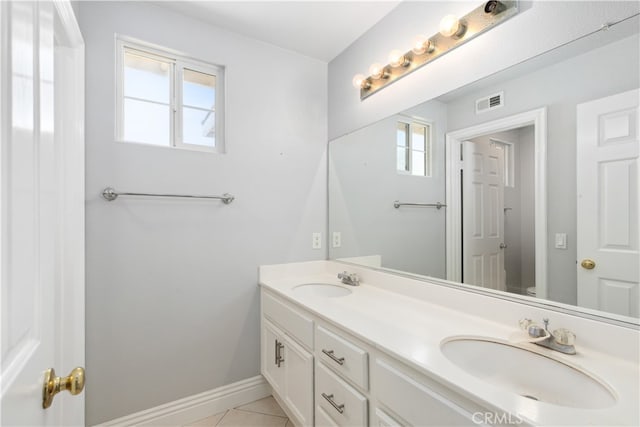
{"type": "Point", "coordinates": [377, 71]}
{"type": "Point", "coordinates": [422, 45]}
{"type": "Point", "coordinates": [397, 58]}
{"type": "Point", "coordinates": [450, 26]}
{"type": "Point", "coordinates": [360, 82]}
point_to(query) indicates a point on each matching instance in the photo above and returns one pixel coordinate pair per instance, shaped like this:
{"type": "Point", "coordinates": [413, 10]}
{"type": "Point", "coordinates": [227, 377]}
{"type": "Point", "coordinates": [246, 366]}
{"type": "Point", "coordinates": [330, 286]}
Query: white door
{"type": "Point", "coordinates": [607, 224]}
{"type": "Point", "coordinates": [483, 215]}
{"type": "Point", "coordinates": [42, 209]}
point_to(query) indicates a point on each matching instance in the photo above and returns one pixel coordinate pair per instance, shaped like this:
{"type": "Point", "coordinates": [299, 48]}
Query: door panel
{"type": "Point", "coordinates": [36, 262]}
{"type": "Point", "coordinates": [607, 224]}
{"type": "Point", "coordinates": [299, 381]}
{"type": "Point", "coordinates": [271, 337]}
{"type": "Point", "coordinates": [483, 215]}
{"type": "Point", "coordinates": [29, 274]}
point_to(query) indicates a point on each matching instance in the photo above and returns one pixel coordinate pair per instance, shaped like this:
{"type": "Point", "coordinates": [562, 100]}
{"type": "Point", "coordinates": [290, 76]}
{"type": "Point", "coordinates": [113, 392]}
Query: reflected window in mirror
{"type": "Point", "coordinates": [413, 140]}
{"type": "Point", "coordinates": [508, 148]}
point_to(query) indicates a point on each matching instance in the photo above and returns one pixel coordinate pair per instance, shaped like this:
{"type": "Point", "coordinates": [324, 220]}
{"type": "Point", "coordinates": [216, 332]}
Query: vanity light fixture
{"type": "Point", "coordinates": [398, 59]}
{"type": "Point", "coordinates": [360, 82]}
{"type": "Point", "coordinates": [422, 45]}
{"type": "Point", "coordinates": [378, 71]}
{"type": "Point", "coordinates": [450, 26]}
{"type": "Point", "coordinates": [453, 32]}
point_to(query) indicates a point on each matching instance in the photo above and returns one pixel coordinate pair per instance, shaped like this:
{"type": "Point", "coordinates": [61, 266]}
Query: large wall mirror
{"type": "Point", "coordinates": [523, 184]}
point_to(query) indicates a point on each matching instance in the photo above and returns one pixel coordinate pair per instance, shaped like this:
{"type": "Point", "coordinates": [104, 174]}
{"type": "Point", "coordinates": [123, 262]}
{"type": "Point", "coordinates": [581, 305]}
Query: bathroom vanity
{"type": "Point", "coordinates": [394, 351]}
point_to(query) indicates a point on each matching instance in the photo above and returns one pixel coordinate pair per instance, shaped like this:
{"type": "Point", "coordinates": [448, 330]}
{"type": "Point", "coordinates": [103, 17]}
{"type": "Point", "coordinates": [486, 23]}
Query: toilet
{"type": "Point", "coordinates": [531, 291]}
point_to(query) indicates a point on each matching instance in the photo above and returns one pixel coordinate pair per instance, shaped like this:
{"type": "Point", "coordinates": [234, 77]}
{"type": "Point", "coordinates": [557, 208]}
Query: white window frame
{"type": "Point", "coordinates": [509, 160]}
{"type": "Point", "coordinates": [412, 121]}
{"type": "Point", "coordinates": [178, 62]}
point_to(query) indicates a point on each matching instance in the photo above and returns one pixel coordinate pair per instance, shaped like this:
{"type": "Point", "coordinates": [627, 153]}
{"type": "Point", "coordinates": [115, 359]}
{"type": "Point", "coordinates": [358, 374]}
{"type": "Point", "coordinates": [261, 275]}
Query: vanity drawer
{"type": "Point", "coordinates": [385, 420]}
{"type": "Point", "coordinates": [349, 407]}
{"type": "Point", "coordinates": [343, 356]}
{"type": "Point", "coordinates": [323, 419]}
{"type": "Point", "coordinates": [293, 322]}
{"type": "Point", "coordinates": [411, 397]}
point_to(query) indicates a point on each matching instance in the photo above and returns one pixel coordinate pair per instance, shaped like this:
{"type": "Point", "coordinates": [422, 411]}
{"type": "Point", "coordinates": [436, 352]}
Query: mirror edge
{"type": "Point", "coordinates": [582, 312]}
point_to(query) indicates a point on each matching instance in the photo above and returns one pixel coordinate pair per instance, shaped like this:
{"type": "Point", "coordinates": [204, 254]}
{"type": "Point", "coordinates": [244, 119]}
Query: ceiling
{"type": "Point", "coordinates": [319, 29]}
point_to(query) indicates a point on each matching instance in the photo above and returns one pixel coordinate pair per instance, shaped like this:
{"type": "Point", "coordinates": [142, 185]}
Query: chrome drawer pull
{"type": "Point", "coordinates": [339, 361]}
{"type": "Point", "coordinates": [329, 398]}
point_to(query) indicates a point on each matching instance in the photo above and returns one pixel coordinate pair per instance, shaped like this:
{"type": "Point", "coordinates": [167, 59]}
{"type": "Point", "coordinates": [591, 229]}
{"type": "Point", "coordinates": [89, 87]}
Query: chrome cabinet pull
{"type": "Point", "coordinates": [339, 361]}
{"type": "Point", "coordinates": [279, 358]}
{"type": "Point", "coordinates": [329, 398]}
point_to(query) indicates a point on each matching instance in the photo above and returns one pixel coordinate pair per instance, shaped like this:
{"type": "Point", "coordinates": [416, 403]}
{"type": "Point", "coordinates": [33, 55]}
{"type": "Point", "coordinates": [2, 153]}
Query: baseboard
{"type": "Point", "coordinates": [193, 408]}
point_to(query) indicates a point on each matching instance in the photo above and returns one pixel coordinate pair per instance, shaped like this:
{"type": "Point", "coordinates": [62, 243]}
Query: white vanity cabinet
{"type": "Point", "coordinates": [286, 364]}
{"type": "Point", "coordinates": [326, 377]}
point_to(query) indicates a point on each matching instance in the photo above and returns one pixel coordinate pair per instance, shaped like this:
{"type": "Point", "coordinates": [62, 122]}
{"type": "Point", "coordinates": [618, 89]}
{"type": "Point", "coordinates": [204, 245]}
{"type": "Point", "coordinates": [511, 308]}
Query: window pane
{"type": "Point", "coordinates": [417, 163]}
{"type": "Point", "coordinates": [418, 137]}
{"type": "Point", "coordinates": [146, 122]}
{"type": "Point", "coordinates": [401, 134]}
{"type": "Point", "coordinates": [198, 127]}
{"type": "Point", "coordinates": [199, 90]}
{"type": "Point", "coordinates": [403, 161]}
{"type": "Point", "coordinates": [146, 78]}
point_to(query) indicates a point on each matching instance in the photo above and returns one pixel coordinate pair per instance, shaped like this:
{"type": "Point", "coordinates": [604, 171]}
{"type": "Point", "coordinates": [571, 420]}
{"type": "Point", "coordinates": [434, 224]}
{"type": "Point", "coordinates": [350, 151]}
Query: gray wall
{"type": "Point", "coordinates": [363, 183]}
{"type": "Point", "coordinates": [538, 27]}
{"type": "Point", "coordinates": [601, 72]}
{"type": "Point", "coordinates": [172, 298]}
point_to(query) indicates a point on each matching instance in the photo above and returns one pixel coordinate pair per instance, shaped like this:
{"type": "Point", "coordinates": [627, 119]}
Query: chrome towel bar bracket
{"type": "Point", "coordinates": [110, 194]}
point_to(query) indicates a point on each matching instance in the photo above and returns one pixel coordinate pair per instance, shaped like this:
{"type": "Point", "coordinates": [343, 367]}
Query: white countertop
{"type": "Point", "coordinates": [412, 330]}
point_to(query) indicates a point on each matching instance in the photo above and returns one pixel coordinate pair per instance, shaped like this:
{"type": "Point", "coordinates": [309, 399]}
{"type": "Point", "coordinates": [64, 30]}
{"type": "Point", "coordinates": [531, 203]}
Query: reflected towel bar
{"type": "Point", "coordinates": [111, 194]}
{"type": "Point", "coordinates": [438, 205]}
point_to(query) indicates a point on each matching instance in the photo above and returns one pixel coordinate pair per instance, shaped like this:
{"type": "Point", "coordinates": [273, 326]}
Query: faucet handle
{"type": "Point", "coordinates": [564, 336]}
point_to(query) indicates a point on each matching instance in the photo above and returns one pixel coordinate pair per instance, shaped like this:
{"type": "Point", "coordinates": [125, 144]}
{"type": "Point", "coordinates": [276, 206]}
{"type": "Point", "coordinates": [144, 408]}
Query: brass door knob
{"type": "Point", "coordinates": [589, 264]}
{"type": "Point", "coordinates": [53, 385]}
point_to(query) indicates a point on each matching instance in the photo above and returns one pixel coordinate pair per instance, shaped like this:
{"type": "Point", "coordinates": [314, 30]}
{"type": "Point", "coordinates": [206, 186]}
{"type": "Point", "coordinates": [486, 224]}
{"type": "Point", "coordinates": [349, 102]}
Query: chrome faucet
{"type": "Point", "coordinates": [350, 279]}
{"type": "Point", "coordinates": [561, 340]}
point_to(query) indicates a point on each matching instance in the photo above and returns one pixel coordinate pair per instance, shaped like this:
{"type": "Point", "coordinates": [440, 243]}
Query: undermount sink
{"type": "Point", "coordinates": [321, 290]}
{"type": "Point", "coordinates": [527, 373]}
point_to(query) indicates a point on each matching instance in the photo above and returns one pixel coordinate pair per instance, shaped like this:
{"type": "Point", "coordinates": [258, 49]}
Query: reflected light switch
{"type": "Point", "coordinates": [561, 240]}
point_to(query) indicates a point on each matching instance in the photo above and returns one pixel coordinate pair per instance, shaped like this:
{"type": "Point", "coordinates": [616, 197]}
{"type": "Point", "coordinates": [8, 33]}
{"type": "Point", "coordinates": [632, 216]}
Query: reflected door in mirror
{"type": "Point", "coordinates": [607, 183]}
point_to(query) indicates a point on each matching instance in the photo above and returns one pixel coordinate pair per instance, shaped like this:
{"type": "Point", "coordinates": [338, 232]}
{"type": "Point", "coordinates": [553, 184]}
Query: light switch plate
{"type": "Point", "coordinates": [561, 241]}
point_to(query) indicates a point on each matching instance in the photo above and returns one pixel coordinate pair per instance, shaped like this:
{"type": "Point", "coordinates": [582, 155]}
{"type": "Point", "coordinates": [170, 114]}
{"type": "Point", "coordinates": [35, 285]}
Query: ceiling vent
{"type": "Point", "coordinates": [489, 103]}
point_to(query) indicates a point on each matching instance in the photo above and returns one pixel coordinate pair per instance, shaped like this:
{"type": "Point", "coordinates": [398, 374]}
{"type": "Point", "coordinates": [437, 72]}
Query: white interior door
{"type": "Point", "coordinates": [483, 215]}
{"type": "Point", "coordinates": [607, 223]}
{"type": "Point", "coordinates": [42, 209]}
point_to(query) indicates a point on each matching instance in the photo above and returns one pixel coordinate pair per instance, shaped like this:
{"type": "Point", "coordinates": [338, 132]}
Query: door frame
{"type": "Point", "coordinates": [69, 62]}
{"type": "Point", "coordinates": [453, 143]}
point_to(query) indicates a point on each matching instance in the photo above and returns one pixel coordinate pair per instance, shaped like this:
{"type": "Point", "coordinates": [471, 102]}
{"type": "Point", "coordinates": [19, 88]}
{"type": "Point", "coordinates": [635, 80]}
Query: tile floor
{"type": "Point", "coordinates": [264, 412]}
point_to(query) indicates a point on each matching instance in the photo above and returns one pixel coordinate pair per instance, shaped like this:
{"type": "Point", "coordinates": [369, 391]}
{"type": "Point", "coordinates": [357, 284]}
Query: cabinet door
{"type": "Point", "coordinates": [272, 347]}
{"type": "Point", "coordinates": [298, 364]}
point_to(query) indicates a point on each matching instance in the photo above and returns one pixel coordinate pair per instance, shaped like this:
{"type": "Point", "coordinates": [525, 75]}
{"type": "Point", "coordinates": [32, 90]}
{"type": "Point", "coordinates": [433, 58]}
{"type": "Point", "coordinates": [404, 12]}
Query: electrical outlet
{"type": "Point", "coordinates": [316, 241]}
{"type": "Point", "coordinates": [336, 239]}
